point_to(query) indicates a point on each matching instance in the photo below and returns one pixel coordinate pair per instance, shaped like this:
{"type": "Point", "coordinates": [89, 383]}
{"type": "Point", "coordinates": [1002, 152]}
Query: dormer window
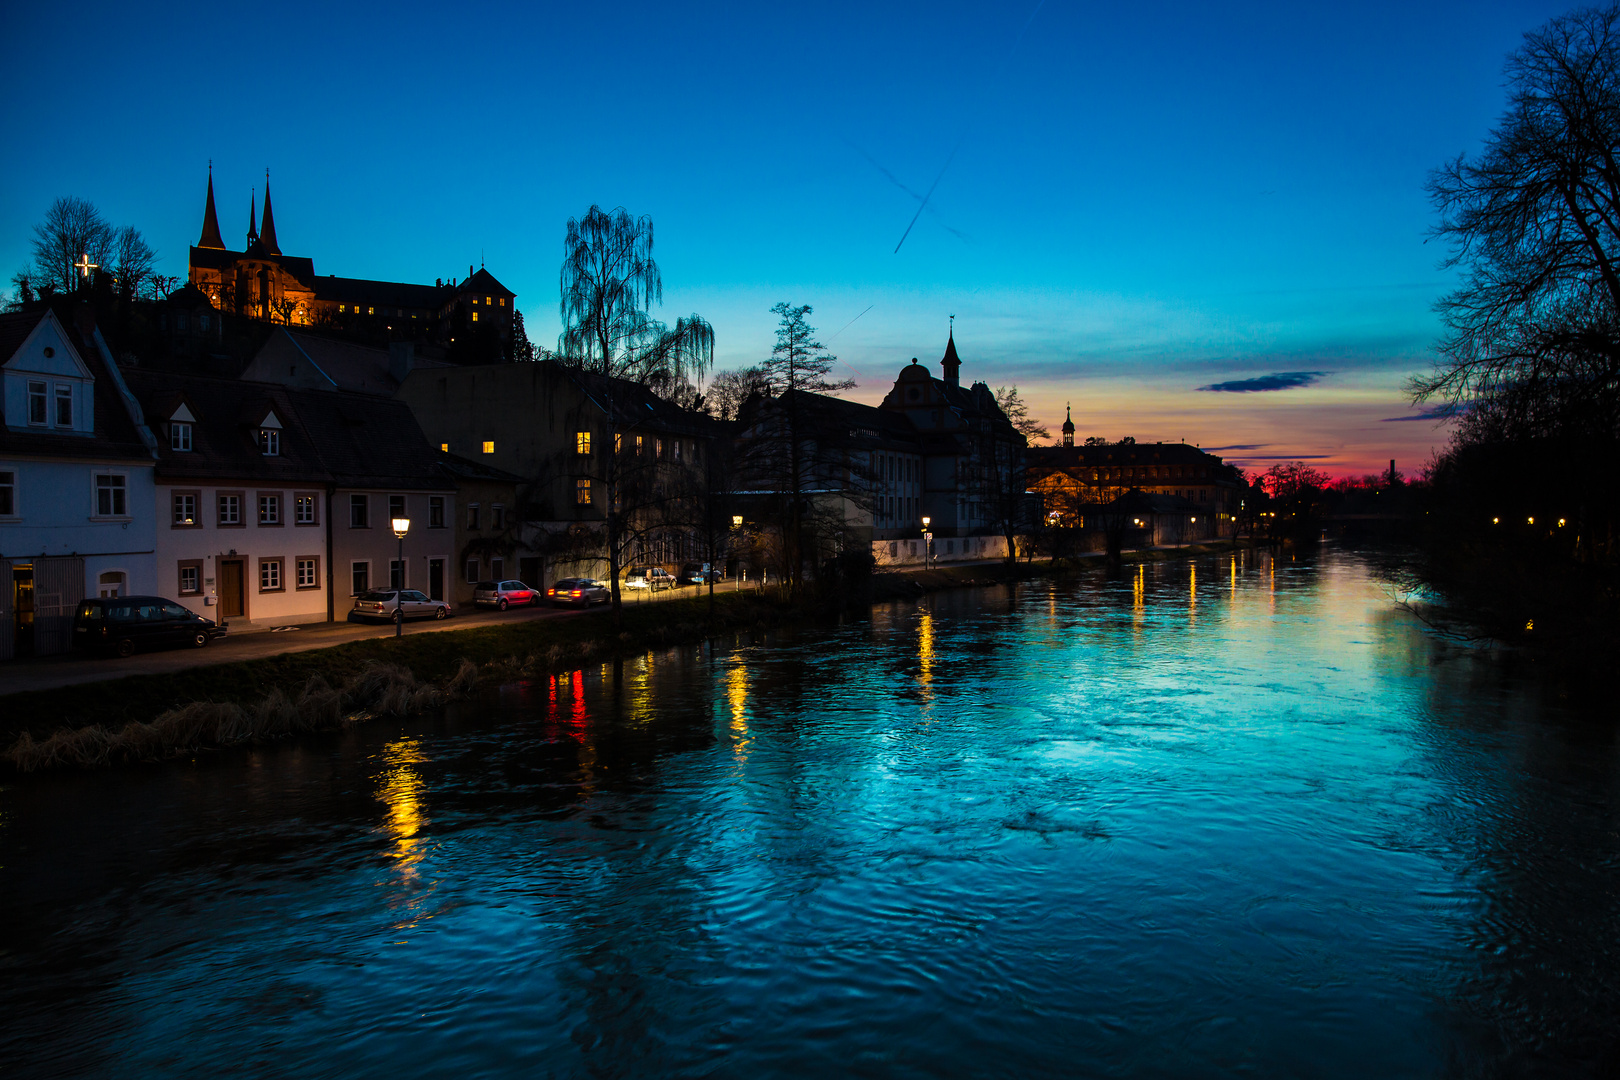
{"type": "Point", "coordinates": [180, 437]}
{"type": "Point", "coordinates": [269, 442]}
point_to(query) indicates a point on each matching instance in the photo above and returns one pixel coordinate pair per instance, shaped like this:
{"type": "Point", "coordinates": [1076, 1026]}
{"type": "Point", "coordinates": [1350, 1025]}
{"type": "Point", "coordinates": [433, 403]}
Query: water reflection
{"type": "Point", "coordinates": [1307, 839]}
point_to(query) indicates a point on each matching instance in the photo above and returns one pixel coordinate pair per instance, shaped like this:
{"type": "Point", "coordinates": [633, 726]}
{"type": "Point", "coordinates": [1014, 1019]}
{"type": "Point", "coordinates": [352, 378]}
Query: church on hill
{"type": "Point", "coordinates": [262, 282]}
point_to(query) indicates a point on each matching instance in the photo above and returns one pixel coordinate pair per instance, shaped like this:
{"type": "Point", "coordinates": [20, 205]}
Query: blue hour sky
{"type": "Point", "coordinates": [1144, 200]}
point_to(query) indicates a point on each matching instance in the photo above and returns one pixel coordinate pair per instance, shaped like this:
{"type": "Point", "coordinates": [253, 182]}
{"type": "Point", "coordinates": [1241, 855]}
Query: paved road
{"type": "Point", "coordinates": [49, 672]}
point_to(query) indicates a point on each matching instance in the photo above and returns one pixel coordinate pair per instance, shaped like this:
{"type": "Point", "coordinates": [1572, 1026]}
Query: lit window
{"type": "Point", "coordinates": [36, 403]}
{"type": "Point", "coordinates": [582, 492]}
{"type": "Point", "coordinates": [269, 574]}
{"type": "Point", "coordinates": [618, 444]}
{"type": "Point", "coordinates": [269, 442]}
{"type": "Point", "coordinates": [489, 446]}
{"type": "Point", "coordinates": [371, 311]}
{"type": "Point", "coordinates": [503, 301]}
{"type": "Point", "coordinates": [64, 405]}
{"type": "Point", "coordinates": [343, 309]}
{"type": "Point", "coordinates": [185, 509]}
{"type": "Point", "coordinates": [180, 437]}
{"type": "Point", "coordinates": [475, 316]}
{"type": "Point", "coordinates": [582, 442]}
{"type": "Point", "coordinates": [486, 301]}
{"type": "Point", "coordinates": [639, 442]}
{"type": "Point", "coordinates": [306, 574]}
{"type": "Point", "coordinates": [444, 448]}
{"type": "Point", "coordinates": [110, 496]}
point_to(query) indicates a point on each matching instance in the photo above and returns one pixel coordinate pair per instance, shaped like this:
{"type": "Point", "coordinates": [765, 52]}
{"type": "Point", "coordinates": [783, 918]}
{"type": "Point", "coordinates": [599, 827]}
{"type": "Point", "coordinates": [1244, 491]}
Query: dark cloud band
{"type": "Point", "coordinates": [1281, 380]}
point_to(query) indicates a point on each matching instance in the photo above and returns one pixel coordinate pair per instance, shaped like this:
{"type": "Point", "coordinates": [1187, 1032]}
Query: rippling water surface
{"type": "Point", "coordinates": [1210, 818]}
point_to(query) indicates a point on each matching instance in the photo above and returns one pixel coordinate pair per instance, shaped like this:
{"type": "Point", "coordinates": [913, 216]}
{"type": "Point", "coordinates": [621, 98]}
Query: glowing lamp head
{"type": "Point", "coordinates": [736, 521]}
{"type": "Point", "coordinates": [402, 525]}
{"type": "Point", "coordinates": [927, 521]}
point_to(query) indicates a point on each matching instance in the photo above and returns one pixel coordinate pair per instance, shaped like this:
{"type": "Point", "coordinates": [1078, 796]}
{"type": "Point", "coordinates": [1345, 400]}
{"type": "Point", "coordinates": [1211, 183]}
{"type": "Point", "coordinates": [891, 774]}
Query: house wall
{"type": "Point", "coordinates": [375, 546]}
{"type": "Point", "coordinates": [909, 552]}
{"type": "Point", "coordinates": [278, 601]}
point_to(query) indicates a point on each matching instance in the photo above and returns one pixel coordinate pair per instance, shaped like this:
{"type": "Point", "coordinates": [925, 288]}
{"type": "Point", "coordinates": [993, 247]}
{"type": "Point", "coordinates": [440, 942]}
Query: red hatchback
{"type": "Point", "coordinates": [503, 594]}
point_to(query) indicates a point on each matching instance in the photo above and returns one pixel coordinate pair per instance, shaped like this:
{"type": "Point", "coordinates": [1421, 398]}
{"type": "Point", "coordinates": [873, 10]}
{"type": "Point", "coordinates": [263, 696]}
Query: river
{"type": "Point", "coordinates": [1231, 816]}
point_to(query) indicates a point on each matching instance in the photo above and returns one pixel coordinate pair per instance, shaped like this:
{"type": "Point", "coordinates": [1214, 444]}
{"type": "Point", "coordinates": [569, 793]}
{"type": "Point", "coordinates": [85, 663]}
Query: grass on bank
{"type": "Point", "coordinates": [373, 676]}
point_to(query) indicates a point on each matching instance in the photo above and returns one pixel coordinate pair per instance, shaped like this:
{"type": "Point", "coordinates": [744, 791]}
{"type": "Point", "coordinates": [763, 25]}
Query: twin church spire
{"type": "Point", "coordinates": [263, 236]}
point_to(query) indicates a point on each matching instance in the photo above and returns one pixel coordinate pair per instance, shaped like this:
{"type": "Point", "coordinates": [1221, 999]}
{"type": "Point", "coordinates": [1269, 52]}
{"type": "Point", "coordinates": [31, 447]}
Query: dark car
{"type": "Point", "coordinates": [502, 594]}
{"type": "Point", "coordinates": [579, 591]}
{"type": "Point", "coordinates": [122, 624]}
{"type": "Point", "coordinates": [397, 605]}
{"type": "Point", "coordinates": [695, 573]}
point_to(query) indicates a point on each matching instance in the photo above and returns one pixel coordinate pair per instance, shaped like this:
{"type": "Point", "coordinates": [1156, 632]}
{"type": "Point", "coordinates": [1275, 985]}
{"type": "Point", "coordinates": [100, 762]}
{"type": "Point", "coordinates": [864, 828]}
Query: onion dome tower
{"type": "Point", "coordinates": [1068, 425]}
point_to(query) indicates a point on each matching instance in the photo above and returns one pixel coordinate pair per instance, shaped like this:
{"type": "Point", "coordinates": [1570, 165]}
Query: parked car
{"type": "Point", "coordinates": [579, 591]}
{"type": "Point", "coordinates": [649, 577]}
{"type": "Point", "coordinates": [698, 573]}
{"type": "Point", "coordinates": [503, 594]}
{"type": "Point", "coordinates": [122, 624]}
{"type": "Point", "coordinates": [397, 605]}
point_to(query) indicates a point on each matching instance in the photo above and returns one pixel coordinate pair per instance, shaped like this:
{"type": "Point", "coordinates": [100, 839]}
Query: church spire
{"type": "Point", "coordinates": [253, 218]}
{"type": "Point", "coordinates": [267, 231]}
{"type": "Point", "coordinates": [951, 363]}
{"type": "Point", "coordinates": [210, 237]}
{"type": "Point", "coordinates": [1068, 425]}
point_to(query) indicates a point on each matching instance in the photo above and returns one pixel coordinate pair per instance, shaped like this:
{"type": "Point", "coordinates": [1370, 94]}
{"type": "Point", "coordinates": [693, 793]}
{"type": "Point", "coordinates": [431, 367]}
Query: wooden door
{"type": "Point", "coordinates": [436, 578]}
{"type": "Point", "coordinates": [231, 598]}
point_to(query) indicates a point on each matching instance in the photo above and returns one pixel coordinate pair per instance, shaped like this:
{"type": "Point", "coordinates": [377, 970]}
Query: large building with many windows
{"type": "Point", "coordinates": [262, 282]}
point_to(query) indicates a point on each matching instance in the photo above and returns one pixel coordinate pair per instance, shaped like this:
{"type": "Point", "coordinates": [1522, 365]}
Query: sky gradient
{"type": "Point", "coordinates": [1152, 211]}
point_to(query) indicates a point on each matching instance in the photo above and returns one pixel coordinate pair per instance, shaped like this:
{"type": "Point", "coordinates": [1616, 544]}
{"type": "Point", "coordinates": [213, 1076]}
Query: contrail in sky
{"type": "Point", "coordinates": [897, 182]}
{"type": "Point", "coordinates": [851, 322]}
{"type": "Point", "coordinates": [958, 146]}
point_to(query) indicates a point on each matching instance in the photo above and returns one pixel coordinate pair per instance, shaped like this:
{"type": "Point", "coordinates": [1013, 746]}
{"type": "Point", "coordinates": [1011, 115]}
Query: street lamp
{"type": "Point", "coordinates": [402, 525]}
{"type": "Point", "coordinates": [928, 543]}
{"type": "Point", "coordinates": [736, 521]}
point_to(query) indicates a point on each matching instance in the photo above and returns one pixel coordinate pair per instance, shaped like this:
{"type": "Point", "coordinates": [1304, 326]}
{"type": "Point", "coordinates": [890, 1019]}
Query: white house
{"type": "Point", "coordinates": [76, 481]}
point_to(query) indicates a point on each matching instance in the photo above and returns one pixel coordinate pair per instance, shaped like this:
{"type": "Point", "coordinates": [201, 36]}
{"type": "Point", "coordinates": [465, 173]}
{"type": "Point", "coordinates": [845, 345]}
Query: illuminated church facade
{"type": "Point", "coordinates": [262, 282]}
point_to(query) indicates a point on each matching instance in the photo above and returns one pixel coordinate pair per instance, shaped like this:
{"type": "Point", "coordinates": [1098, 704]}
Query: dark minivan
{"type": "Point", "coordinates": [122, 624]}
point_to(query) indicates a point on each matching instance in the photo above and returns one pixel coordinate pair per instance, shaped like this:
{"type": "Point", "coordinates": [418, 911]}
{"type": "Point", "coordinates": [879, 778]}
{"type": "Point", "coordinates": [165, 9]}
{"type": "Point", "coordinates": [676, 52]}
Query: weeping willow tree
{"type": "Point", "coordinates": [610, 283]}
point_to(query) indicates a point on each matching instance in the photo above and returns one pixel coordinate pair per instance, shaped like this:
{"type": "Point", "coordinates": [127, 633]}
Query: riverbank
{"type": "Point", "coordinates": [156, 716]}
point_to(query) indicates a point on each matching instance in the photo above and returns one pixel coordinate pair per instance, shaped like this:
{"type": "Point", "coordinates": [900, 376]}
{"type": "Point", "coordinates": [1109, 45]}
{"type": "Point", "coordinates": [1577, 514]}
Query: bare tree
{"type": "Point", "coordinates": [132, 263]}
{"type": "Point", "coordinates": [729, 389]}
{"type": "Point", "coordinates": [73, 228]}
{"type": "Point", "coordinates": [1533, 334]}
{"type": "Point", "coordinates": [609, 283]}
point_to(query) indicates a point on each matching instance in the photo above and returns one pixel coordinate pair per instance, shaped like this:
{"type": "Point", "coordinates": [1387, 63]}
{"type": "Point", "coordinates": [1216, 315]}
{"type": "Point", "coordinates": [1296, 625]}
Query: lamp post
{"type": "Point", "coordinates": [742, 572]}
{"type": "Point", "coordinates": [928, 543]}
{"type": "Point", "coordinates": [402, 525]}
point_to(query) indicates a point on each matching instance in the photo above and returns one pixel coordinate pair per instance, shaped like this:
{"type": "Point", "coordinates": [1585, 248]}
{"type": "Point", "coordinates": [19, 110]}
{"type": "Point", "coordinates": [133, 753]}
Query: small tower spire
{"type": "Point", "coordinates": [267, 229]}
{"type": "Point", "coordinates": [210, 237]}
{"type": "Point", "coordinates": [951, 363]}
{"type": "Point", "coordinates": [1068, 425]}
{"type": "Point", "coordinates": [253, 218]}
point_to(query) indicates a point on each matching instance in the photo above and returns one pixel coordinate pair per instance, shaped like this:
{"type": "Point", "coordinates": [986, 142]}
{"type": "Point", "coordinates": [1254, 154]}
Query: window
{"type": "Point", "coordinates": [304, 508]}
{"type": "Point", "coordinates": [640, 441]}
{"type": "Point", "coordinates": [359, 577]}
{"type": "Point", "coordinates": [396, 574]}
{"type": "Point", "coordinates": [191, 578]}
{"type": "Point", "coordinates": [180, 437]}
{"type": "Point", "coordinates": [308, 573]}
{"type": "Point", "coordinates": [497, 516]}
{"type": "Point", "coordinates": [8, 494]}
{"type": "Point", "coordinates": [359, 512]}
{"type": "Point", "coordinates": [582, 442]}
{"type": "Point", "coordinates": [497, 569]}
{"type": "Point", "coordinates": [396, 507]}
{"type": "Point", "coordinates": [618, 443]}
{"type": "Point", "coordinates": [503, 301]}
{"type": "Point", "coordinates": [230, 509]}
{"type": "Point", "coordinates": [582, 492]}
{"type": "Point", "coordinates": [64, 405]}
{"type": "Point", "coordinates": [111, 584]}
{"type": "Point", "coordinates": [489, 446]}
{"type": "Point", "coordinates": [36, 403]}
{"type": "Point", "coordinates": [269, 442]}
{"type": "Point", "coordinates": [269, 509]}
{"type": "Point", "coordinates": [202, 323]}
{"type": "Point", "coordinates": [435, 511]}
{"type": "Point", "coordinates": [111, 496]}
{"type": "Point", "coordinates": [444, 448]}
{"type": "Point", "coordinates": [487, 304]}
{"type": "Point", "coordinates": [185, 509]}
{"type": "Point", "coordinates": [269, 575]}
{"type": "Point", "coordinates": [472, 571]}
{"type": "Point", "coordinates": [472, 516]}
{"type": "Point", "coordinates": [475, 316]}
